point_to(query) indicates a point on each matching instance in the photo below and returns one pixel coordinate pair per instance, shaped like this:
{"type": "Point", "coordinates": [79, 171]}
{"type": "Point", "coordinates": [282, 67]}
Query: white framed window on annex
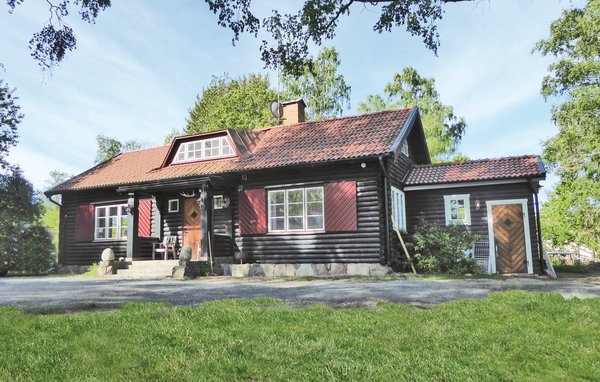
{"type": "Point", "coordinates": [110, 222]}
{"type": "Point", "coordinates": [398, 209]}
{"type": "Point", "coordinates": [209, 148]}
{"type": "Point", "coordinates": [457, 209]}
{"type": "Point", "coordinates": [296, 209]}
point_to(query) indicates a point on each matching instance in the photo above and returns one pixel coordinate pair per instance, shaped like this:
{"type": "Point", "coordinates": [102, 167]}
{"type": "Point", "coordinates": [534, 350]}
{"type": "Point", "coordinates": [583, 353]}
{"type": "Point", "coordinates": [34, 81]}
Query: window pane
{"type": "Point", "coordinates": [226, 149]}
{"type": "Point", "coordinates": [112, 233]}
{"type": "Point", "coordinates": [101, 233]}
{"type": "Point", "coordinates": [314, 222]}
{"type": "Point", "coordinates": [314, 194]}
{"type": "Point", "coordinates": [101, 211]}
{"type": "Point", "coordinates": [277, 210]}
{"type": "Point", "coordinates": [295, 196]}
{"type": "Point", "coordinates": [276, 197]}
{"type": "Point", "coordinates": [295, 209]}
{"type": "Point", "coordinates": [277, 224]}
{"type": "Point", "coordinates": [112, 211]}
{"type": "Point", "coordinates": [101, 223]}
{"type": "Point", "coordinates": [314, 208]}
{"type": "Point", "coordinates": [295, 223]}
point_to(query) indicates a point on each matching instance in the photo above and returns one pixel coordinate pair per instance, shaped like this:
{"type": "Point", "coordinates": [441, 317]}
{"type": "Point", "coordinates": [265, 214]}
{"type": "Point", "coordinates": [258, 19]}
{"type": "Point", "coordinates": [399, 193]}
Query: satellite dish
{"type": "Point", "coordinates": [276, 109]}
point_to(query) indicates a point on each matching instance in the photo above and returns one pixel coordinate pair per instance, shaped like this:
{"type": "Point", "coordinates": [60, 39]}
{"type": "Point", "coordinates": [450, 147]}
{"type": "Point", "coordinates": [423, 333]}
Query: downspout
{"type": "Point", "coordinates": [539, 229]}
{"type": "Point", "coordinates": [54, 201]}
{"type": "Point", "coordinates": [388, 245]}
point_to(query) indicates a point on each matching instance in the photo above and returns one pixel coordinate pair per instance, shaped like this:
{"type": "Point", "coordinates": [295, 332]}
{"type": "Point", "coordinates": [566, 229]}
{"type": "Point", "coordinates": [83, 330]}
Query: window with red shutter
{"type": "Point", "coordinates": [253, 212]}
{"type": "Point", "coordinates": [340, 207]}
{"type": "Point", "coordinates": [84, 223]}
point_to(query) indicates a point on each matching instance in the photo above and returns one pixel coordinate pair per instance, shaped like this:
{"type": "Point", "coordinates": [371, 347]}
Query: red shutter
{"type": "Point", "coordinates": [84, 223]}
{"type": "Point", "coordinates": [340, 207]}
{"type": "Point", "coordinates": [253, 212]}
{"type": "Point", "coordinates": [145, 218]}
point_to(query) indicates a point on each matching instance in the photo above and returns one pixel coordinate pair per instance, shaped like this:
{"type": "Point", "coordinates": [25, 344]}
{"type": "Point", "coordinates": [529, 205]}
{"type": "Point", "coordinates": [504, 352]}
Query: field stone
{"type": "Point", "coordinates": [320, 269]}
{"type": "Point", "coordinates": [178, 272]}
{"type": "Point", "coordinates": [380, 270]}
{"type": "Point", "coordinates": [284, 270]}
{"type": "Point", "coordinates": [304, 270]}
{"type": "Point", "coordinates": [256, 270]}
{"type": "Point", "coordinates": [107, 255]}
{"type": "Point", "coordinates": [337, 269]}
{"type": "Point", "coordinates": [357, 269]}
{"type": "Point", "coordinates": [240, 270]}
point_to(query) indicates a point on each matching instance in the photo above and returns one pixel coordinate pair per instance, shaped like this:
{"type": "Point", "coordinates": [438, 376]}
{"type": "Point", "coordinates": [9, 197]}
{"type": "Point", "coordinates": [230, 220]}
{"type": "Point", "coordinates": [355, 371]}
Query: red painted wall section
{"type": "Point", "coordinates": [253, 212]}
{"type": "Point", "coordinates": [145, 218]}
{"type": "Point", "coordinates": [340, 207]}
{"type": "Point", "coordinates": [84, 223]}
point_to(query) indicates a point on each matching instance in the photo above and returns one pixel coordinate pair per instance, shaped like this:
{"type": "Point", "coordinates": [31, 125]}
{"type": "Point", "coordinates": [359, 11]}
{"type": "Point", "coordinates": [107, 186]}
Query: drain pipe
{"type": "Point", "coordinates": [539, 230]}
{"type": "Point", "coordinates": [388, 245]}
{"type": "Point", "coordinates": [54, 201]}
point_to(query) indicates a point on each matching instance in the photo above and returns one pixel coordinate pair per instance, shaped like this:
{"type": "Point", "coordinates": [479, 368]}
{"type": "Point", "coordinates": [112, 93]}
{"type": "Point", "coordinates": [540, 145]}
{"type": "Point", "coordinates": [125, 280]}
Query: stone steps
{"type": "Point", "coordinates": [148, 269]}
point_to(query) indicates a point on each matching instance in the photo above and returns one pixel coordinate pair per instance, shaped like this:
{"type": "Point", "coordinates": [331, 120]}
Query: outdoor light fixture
{"type": "Point", "coordinates": [477, 205]}
{"type": "Point", "coordinates": [363, 165]}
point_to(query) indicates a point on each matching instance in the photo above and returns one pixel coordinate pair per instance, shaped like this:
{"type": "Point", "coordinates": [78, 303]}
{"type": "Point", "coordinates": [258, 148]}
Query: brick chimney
{"type": "Point", "coordinates": [293, 111]}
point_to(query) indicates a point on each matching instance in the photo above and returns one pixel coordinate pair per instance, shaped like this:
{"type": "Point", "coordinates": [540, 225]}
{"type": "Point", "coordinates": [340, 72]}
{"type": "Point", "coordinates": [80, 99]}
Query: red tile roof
{"type": "Point", "coordinates": [476, 170]}
{"type": "Point", "coordinates": [337, 139]}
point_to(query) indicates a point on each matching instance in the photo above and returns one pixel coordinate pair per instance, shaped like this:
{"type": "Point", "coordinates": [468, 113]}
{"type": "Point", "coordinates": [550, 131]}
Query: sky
{"type": "Point", "coordinates": [137, 71]}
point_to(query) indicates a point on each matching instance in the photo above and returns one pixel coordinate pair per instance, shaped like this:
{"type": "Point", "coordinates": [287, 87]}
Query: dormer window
{"type": "Point", "coordinates": [203, 149]}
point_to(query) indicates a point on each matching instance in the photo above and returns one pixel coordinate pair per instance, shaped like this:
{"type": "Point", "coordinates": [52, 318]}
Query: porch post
{"type": "Point", "coordinates": [158, 219]}
{"type": "Point", "coordinates": [203, 202]}
{"type": "Point", "coordinates": [132, 225]}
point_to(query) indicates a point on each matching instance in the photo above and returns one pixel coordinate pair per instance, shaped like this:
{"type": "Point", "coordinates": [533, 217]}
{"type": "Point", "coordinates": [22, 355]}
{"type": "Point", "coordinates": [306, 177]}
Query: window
{"type": "Point", "coordinates": [111, 222]}
{"type": "Point", "coordinates": [203, 149]}
{"type": "Point", "coordinates": [398, 209]}
{"type": "Point", "coordinates": [218, 202]}
{"type": "Point", "coordinates": [404, 148]}
{"type": "Point", "coordinates": [296, 209]}
{"type": "Point", "coordinates": [458, 209]}
{"type": "Point", "coordinates": [174, 205]}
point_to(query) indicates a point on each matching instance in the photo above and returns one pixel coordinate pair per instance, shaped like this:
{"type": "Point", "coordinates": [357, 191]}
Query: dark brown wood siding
{"type": "Point", "coordinates": [430, 205]}
{"type": "Point", "coordinates": [363, 245]}
{"type": "Point", "coordinates": [222, 223]}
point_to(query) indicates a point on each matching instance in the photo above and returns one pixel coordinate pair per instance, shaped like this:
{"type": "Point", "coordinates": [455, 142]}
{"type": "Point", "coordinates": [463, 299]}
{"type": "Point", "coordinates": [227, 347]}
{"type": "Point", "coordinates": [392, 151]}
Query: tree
{"type": "Point", "coordinates": [10, 117]}
{"type": "Point", "coordinates": [109, 147]}
{"type": "Point", "coordinates": [573, 211]}
{"type": "Point", "coordinates": [324, 91]}
{"type": "Point", "coordinates": [443, 130]}
{"type": "Point", "coordinates": [241, 103]}
{"type": "Point", "coordinates": [290, 34]}
{"type": "Point", "coordinates": [51, 213]}
{"type": "Point", "coordinates": [25, 245]}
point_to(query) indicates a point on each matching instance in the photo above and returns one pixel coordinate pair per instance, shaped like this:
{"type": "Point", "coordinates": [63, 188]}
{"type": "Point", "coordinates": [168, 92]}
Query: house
{"type": "Point", "coordinates": [318, 192]}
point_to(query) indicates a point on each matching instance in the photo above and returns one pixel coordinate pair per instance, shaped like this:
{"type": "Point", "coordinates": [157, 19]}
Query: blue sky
{"type": "Point", "coordinates": [137, 71]}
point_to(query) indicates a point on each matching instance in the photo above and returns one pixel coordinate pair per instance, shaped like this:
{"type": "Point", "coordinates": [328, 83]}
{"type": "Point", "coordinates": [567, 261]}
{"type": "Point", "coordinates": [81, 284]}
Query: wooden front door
{"type": "Point", "coordinates": [191, 226]}
{"type": "Point", "coordinates": [509, 238]}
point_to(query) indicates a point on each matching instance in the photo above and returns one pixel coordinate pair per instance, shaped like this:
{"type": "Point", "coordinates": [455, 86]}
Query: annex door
{"type": "Point", "coordinates": [509, 238]}
{"type": "Point", "coordinates": [191, 226]}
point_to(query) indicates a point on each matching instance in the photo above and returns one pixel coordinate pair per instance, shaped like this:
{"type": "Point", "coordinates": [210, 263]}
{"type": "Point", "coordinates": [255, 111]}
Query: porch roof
{"type": "Point", "coordinates": [526, 166]}
{"type": "Point", "coordinates": [344, 138]}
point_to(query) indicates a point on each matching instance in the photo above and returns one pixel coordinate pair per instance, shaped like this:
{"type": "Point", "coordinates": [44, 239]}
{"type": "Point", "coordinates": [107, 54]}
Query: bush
{"type": "Point", "coordinates": [438, 248]}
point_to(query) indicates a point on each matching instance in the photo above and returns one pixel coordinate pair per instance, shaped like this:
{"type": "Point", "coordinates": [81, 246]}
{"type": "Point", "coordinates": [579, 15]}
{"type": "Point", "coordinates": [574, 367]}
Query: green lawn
{"type": "Point", "coordinates": [509, 336]}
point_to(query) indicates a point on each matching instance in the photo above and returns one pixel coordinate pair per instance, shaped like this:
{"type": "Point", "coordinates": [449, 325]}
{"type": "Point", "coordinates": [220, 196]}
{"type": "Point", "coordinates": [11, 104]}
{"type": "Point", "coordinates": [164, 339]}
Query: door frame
{"type": "Point", "coordinates": [490, 218]}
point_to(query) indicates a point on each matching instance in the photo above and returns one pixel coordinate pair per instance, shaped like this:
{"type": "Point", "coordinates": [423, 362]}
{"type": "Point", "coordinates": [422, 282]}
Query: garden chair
{"type": "Point", "coordinates": [169, 244]}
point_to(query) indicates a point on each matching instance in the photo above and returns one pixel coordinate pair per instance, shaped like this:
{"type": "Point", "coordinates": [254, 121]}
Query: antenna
{"type": "Point", "coordinates": [276, 108]}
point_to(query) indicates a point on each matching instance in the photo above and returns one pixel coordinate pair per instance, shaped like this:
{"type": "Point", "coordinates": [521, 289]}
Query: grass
{"type": "Point", "coordinates": [576, 267]}
{"type": "Point", "coordinates": [509, 336]}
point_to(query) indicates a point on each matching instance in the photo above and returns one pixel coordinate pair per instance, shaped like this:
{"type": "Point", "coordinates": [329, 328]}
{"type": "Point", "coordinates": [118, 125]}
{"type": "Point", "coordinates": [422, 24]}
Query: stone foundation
{"type": "Point", "coordinates": [302, 270]}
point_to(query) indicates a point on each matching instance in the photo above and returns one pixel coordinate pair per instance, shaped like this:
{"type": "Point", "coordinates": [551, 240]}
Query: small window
{"type": "Point", "coordinates": [218, 202]}
{"type": "Point", "coordinates": [458, 209]}
{"type": "Point", "coordinates": [404, 149]}
{"type": "Point", "coordinates": [174, 205]}
{"type": "Point", "coordinates": [203, 149]}
{"type": "Point", "coordinates": [296, 209]}
{"type": "Point", "coordinates": [398, 209]}
{"type": "Point", "coordinates": [111, 222]}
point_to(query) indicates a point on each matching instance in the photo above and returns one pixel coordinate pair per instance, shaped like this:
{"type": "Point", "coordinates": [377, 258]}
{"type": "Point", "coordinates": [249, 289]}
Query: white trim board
{"type": "Point", "coordinates": [523, 203]}
{"type": "Point", "coordinates": [463, 184]}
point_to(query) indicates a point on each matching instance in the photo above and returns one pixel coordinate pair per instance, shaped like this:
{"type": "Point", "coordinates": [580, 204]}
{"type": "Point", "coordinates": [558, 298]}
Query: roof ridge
{"type": "Point", "coordinates": [143, 149]}
{"type": "Point", "coordinates": [475, 161]}
{"type": "Point", "coordinates": [342, 118]}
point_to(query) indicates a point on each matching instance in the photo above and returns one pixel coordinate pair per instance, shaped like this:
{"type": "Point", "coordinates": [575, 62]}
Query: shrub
{"type": "Point", "coordinates": [437, 248]}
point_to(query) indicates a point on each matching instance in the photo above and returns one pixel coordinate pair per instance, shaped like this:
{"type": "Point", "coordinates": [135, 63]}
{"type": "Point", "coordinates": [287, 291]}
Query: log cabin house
{"type": "Point", "coordinates": [303, 192]}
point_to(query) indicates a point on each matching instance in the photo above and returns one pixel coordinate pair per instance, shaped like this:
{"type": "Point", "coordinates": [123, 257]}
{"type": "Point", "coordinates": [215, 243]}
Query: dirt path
{"type": "Point", "coordinates": [74, 293]}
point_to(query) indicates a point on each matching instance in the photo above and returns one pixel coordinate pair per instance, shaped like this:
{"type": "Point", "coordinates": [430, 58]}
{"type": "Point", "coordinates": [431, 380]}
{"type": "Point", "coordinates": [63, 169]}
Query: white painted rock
{"type": "Point", "coordinates": [108, 255]}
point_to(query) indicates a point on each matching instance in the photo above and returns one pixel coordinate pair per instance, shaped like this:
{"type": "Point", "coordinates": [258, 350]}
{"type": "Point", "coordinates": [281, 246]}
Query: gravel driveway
{"type": "Point", "coordinates": [74, 293]}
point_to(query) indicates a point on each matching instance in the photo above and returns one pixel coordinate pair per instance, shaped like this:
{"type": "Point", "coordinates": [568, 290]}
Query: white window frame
{"type": "Point", "coordinates": [221, 140]}
{"type": "Point", "coordinates": [304, 211]}
{"type": "Point", "coordinates": [398, 209]}
{"type": "Point", "coordinates": [466, 198]}
{"type": "Point", "coordinates": [404, 148]}
{"type": "Point", "coordinates": [216, 204]}
{"type": "Point", "coordinates": [106, 219]}
{"type": "Point", "coordinates": [175, 209]}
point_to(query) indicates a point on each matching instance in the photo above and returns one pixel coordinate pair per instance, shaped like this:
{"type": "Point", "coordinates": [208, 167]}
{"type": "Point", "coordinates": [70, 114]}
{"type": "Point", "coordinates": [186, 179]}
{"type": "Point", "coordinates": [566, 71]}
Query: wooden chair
{"type": "Point", "coordinates": [169, 244]}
